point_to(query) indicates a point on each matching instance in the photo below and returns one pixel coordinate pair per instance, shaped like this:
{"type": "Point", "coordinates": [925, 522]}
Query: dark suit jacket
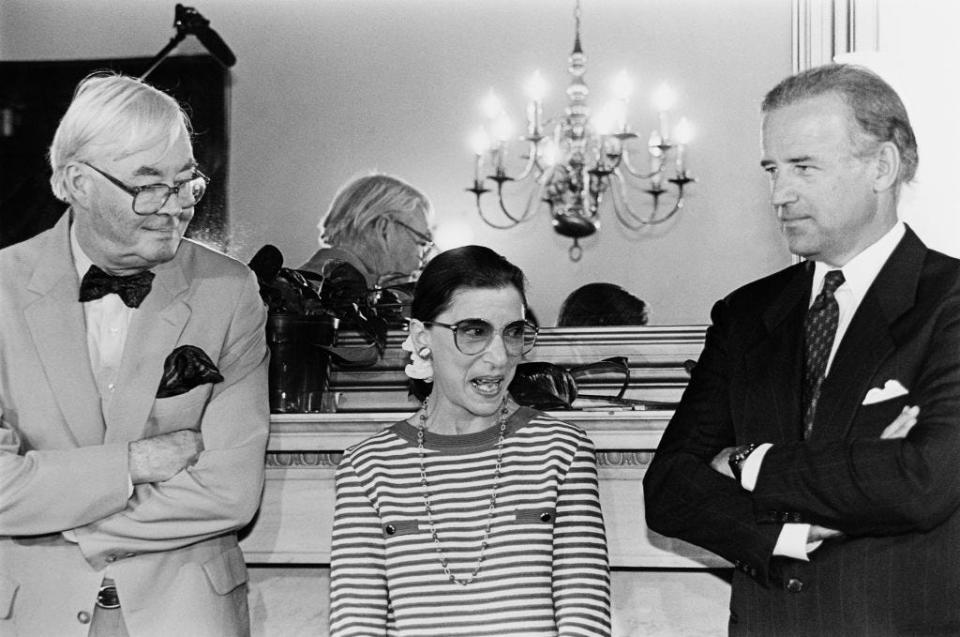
{"type": "Point", "coordinates": [897, 570]}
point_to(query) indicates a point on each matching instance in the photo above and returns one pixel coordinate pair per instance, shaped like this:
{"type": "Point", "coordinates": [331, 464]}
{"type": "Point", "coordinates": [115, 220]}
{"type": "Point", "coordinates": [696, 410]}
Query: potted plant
{"type": "Point", "coordinates": [305, 311]}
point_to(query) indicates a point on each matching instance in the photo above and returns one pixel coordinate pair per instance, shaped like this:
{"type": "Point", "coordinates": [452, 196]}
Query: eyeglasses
{"type": "Point", "coordinates": [425, 243]}
{"type": "Point", "coordinates": [148, 200]}
{"type": "Point", "coordinates": [472, 336]}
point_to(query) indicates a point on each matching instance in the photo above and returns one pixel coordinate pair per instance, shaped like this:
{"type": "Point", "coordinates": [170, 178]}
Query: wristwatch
{"type": "Point", "coordinates": [737, 458]}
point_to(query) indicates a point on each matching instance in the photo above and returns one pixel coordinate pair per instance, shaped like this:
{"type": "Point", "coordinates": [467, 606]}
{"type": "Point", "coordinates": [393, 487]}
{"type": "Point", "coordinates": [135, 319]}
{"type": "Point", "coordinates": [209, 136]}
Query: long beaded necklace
{"type": "Point", "coordinates": [421, 428]}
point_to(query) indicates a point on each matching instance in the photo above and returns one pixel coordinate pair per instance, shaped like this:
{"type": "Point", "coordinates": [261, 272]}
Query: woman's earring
{"type": "Point", "coordinates": [424, 352]}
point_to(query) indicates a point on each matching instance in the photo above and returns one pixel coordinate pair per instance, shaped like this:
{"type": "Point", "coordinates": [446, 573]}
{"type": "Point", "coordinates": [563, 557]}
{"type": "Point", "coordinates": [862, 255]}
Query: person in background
{"type": "Point", "coordinates": [598, 304]}
{"type": "Point", "coordinates": [817, 444]}
{"type": "Point", "coordinates": [380, 224]}
{"type": "Point", "coordinates": [474, 516]}
{"type": "Point", "coordinates": [133, 390]}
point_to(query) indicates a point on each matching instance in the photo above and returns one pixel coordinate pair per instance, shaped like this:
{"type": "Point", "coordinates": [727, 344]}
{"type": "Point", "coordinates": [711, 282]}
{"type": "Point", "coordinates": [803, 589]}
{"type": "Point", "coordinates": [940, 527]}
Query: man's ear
{"type": "Point", "coordinates": [78, 184]}
{"type": "Point", "coordinates": [887, 166]}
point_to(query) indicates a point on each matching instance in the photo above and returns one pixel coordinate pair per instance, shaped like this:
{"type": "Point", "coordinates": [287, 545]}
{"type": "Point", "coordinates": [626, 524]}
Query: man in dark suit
{"type": "Point", "coordinates": [817, 445]}
{"type": "Point", "coordinates": [133, 390]}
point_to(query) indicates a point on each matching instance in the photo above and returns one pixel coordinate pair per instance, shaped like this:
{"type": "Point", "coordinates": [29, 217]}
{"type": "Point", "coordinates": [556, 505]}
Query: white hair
{"type": "Point", "coordinates": [115, 116]}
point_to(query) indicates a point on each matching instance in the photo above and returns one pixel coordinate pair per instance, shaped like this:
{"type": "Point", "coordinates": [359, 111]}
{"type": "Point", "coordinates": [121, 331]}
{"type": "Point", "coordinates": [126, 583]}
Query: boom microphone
{"type": "Point", "coordinates": [189, 20]}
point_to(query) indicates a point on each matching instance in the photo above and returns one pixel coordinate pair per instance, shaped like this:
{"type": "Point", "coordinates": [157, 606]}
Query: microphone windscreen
{"type": "Point", "coordinates": [266, 263]}
{"type": "Point", "coordinates": [215, 44]}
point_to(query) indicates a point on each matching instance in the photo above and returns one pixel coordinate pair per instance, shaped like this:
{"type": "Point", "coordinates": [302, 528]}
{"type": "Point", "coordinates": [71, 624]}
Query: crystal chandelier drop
{"type": "Point", "coordinates": [576, 159]}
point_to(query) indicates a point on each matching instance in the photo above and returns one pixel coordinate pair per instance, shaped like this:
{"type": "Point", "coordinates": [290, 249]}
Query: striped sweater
{"type": "Point", "coordinates": [544, 572]}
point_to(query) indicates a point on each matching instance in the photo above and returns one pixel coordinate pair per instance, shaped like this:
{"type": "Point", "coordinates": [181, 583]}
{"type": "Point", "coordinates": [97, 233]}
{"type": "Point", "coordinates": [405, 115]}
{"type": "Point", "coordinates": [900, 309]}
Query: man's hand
{"type": "Point", "coordinates": [902, 424]}
{"type": "Point", "coordinates": [161, 457]}
{"type": "Point", "coordinates": [819, 533]}
{"type": "Point", "coordinates": [721, 462]}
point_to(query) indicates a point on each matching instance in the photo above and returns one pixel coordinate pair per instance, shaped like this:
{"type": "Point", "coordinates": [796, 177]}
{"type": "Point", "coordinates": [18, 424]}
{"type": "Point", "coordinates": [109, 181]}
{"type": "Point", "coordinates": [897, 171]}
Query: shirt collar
{"type": "Point", "coordinates": [860, 272]}
{"type": "Point", "coordinates": [80, 259]}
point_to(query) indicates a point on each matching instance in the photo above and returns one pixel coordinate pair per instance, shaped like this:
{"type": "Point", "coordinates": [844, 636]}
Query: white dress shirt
{"type": "Point", "coordinates": [107, 321]}
{"type": "Point", "coordinates": [859, 274]}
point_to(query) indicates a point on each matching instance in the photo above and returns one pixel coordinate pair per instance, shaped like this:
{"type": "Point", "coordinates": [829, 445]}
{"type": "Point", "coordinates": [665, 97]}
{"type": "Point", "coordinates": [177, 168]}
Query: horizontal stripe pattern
{"type": "Point", "coordinates": [545, 571]}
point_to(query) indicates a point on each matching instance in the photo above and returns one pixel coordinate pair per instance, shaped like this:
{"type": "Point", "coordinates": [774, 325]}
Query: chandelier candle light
{"type": "Point", "coordinates": [582, 158]}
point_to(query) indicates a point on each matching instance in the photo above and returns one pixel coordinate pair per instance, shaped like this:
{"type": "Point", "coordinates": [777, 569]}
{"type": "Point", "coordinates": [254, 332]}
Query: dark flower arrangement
{"type": "Point", "coordinates": [339, 292]}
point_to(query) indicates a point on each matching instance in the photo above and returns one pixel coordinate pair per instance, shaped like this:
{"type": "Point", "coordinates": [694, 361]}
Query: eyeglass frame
{"type": "Point", "coordinates": [426, 245]}
{"type": "Point", "coordinates": [134, 191]}
{"type": "Point", "coordinates": [454, 327]}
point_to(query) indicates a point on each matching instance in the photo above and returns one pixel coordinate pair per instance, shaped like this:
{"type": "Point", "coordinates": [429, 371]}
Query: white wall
{"type": "Point", "coordinates": [327, 89]}
{"type": "Point", "coordinates": [919, 54]}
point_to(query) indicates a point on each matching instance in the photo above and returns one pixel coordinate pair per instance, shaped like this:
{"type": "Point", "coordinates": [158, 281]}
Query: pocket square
{"type": "Point", "coordinates": [185, 368]}
{"type": "Point", "coordinates": [891, 389]}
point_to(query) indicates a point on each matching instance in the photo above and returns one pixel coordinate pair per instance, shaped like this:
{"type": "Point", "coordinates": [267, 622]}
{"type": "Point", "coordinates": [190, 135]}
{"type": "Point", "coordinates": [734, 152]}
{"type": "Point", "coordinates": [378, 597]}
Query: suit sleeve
{"type": "Point", "coordinates": [221, 492]}
{"type": "Point", "coordinates": [868, 486]}
{"type": "Point", "coordinates": [581, 575]}
{"type": "Point", "coordinates": [684, 496]}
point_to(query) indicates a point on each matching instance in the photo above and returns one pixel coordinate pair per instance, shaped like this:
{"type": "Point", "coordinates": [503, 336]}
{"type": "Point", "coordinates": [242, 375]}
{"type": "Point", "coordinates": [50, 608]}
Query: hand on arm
{"type": "Point", "coordinates": [899, 428]}
{"type": "Point", "coordinates": [721, 462]}
{"type": "Point", "coordinates": [159, 458]}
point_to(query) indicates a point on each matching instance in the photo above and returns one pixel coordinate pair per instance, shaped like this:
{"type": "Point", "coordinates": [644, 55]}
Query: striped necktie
{"type": "Point", "coordinates": [819, 331]}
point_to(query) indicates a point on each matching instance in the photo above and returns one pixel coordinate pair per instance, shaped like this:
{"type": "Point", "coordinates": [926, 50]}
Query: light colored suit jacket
{"type": "Point", "coordinates": [171, 547]}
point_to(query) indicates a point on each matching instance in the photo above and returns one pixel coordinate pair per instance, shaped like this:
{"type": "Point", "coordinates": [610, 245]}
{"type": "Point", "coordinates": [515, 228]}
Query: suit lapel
{"type": "Point", "coordinates": [871, 336]}
{"type": "Point", "coordinates": [57, 327]}
{"type": "Point", "coordinates": [154, 332]}
{"type": "Point", "coordinates": [775, 362]}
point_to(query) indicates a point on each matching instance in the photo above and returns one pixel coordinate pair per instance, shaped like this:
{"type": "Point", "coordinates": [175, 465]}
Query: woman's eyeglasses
{"type": "Point", "coordinates": [472, 336]}
{"type": "Point", "coordinates": [148, 200]}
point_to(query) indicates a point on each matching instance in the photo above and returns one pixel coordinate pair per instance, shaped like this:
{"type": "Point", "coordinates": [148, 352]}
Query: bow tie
{"type": "Point", "coordinates": [131, 289]}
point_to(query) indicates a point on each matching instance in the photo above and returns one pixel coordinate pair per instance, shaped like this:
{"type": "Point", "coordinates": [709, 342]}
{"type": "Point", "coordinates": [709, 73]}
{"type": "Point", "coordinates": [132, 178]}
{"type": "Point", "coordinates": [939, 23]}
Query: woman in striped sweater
{"type": "Point", "coordinates": [474, 516]}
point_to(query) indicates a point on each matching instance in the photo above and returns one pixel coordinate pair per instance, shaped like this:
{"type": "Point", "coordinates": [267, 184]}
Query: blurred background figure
{"type": "Point", "coordinates": [380, 224]}
{"type": "Point", "coordinates": [597, 304]}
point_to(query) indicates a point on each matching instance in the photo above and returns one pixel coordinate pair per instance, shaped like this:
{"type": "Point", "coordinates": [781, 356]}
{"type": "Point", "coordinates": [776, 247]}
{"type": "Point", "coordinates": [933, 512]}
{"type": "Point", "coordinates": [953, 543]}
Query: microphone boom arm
{"type": "Point", "coordinates": [189, 21]}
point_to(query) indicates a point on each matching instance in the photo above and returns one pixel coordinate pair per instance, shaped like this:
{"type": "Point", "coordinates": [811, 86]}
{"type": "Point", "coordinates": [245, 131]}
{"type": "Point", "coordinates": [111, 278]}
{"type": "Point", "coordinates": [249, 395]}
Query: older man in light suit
{"type": "Point", "coordinates": [133, 390]}
{"type": "Point", "coordinates": [797, 451]}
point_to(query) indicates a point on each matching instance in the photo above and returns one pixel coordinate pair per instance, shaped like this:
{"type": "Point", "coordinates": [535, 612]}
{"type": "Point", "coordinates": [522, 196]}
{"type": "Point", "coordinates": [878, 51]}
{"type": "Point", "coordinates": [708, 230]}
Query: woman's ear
{"type": "Point", "coordinates": [419, 335]}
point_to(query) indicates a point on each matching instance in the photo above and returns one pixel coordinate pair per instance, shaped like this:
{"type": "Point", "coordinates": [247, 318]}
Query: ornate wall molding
{"type": "Point", "coordinates": [295, 460]}
{"type": "Point", "coordinates": [328, 460]}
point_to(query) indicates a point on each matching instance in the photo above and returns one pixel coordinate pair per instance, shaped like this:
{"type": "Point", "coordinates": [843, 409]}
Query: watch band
{"type": "Point", "coordinates": [737, 458]}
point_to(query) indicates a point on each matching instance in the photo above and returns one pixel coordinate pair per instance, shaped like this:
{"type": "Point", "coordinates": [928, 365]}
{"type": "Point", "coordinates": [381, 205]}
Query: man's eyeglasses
{"type": "Point", "coordinates": [472, 336]}
{"type": "Point", "coordinates": [425, 243]}
{"type": "Point", "coordinates": [148, 200]}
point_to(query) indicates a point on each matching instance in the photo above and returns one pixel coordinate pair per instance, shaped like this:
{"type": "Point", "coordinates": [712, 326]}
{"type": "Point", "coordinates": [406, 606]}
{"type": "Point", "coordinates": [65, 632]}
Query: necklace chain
{"type": "Point", "coordinates": [484, 543]}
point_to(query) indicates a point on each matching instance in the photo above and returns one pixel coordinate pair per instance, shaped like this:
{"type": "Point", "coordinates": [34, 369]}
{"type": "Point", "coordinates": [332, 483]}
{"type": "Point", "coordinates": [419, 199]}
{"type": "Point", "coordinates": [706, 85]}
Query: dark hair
{"type": "Point", "coordinates": [601, 304]}
{"type": "Point", "coordinates": [468, 267]}
{"type": "Point", "coordinates": [874, 106]}
{"type": "Point", "coordinates": [451, 271]}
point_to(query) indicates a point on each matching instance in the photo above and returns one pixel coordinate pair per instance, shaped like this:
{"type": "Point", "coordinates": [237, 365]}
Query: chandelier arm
{"type": "Point", "coordinates": [487, 221]}
{"type": "Point", "coordinates": [633, 171]}
{"type": "Point", "coordinates": [532, 162]}
{"type": "Point", "coordinates": [503, 208]}
{"type": "Point", "coordinates": [620, 204]}
{"type": "Point", "coordinates": [652, 220]}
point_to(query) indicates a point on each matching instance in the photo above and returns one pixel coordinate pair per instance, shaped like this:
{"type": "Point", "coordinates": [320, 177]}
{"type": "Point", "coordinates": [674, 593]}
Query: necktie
{"type": "Point", "coordinates": [819, 330]}
{"type": "Point", "coordinates": [131, 289]}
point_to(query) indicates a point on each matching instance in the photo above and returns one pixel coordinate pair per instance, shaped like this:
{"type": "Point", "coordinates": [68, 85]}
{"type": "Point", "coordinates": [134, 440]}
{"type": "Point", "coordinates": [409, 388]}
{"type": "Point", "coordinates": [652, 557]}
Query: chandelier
{"type": "Point", "coordinates": [576, 160]}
